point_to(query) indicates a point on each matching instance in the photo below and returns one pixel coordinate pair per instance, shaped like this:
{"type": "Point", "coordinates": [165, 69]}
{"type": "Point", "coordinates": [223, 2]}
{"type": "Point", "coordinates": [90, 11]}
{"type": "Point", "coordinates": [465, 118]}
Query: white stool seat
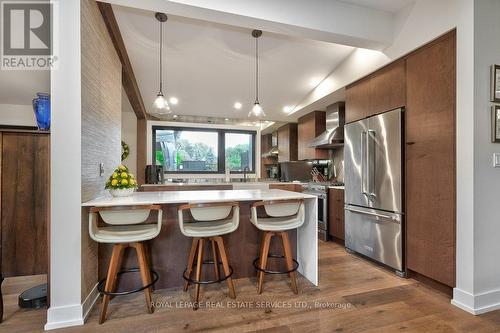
{"type": "Point", "coordinates": [126, 234]}
{"type": "Point", "coordinates": [283, 216]}
{"type": "Point", "coordinates": [210, 220]}
{"type": "Point", "coordinates": [123, 226]}
{"type": "Point", "coordinates": [209, 228]}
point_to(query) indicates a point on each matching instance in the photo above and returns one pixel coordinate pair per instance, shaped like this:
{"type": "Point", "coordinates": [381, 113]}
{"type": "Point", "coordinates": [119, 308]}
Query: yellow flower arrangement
{"type": "Point", "coordinates": [121, 178]}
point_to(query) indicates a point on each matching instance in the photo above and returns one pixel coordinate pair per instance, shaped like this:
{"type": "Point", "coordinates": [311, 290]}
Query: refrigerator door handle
{"type": "Point", "coordinates": [364, 189]}
{"type": "Point", "coordinates": [371, 163]}
{"type": "Point", "coordinates": [394, 218]}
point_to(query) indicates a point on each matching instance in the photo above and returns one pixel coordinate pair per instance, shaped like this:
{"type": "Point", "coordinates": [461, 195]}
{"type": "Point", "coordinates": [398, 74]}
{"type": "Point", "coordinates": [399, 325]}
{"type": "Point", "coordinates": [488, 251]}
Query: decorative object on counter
{"type": "Point", "coordinates": [495, 123]}
{"type": "Point", "coordinates": [121, 183]}
{"type": "Point", "coordinates": [41, 108]}
{"type": "Point", "coordinates": [257, 111]}
{"type": "Point", "coordinates": [125, 150]}
{"type": "Point", "coordinates": [495, 83]}
{"type": "Point", "coordinates": [160, 105]}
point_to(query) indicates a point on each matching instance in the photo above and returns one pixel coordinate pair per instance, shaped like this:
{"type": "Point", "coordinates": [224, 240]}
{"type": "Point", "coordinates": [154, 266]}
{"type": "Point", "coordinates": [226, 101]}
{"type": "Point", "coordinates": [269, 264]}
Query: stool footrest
{"type": "Point", "coordinates": [279, 256]}
{"type": "Point", "coordinates": [100, 286]}
{"type": "Point", "coordinates": [208, 262]}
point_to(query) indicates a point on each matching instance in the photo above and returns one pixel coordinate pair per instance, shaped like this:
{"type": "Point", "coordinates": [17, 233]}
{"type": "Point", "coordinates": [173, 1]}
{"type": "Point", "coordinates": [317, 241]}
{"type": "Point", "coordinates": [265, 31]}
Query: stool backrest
{"type": "Point", "coordinates": [292, 208]}
{"type": "Point", "coordinates": [125, 215]}
{"type": "Point", "coordinates": [210, 211]}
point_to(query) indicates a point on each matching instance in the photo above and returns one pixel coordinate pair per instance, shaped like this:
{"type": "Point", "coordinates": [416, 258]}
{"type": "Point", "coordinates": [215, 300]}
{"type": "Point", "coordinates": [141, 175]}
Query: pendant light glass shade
{"type": "Point", "coordinates": [160, 105]}
{"type": "Point", "coordinates": [257, 111]}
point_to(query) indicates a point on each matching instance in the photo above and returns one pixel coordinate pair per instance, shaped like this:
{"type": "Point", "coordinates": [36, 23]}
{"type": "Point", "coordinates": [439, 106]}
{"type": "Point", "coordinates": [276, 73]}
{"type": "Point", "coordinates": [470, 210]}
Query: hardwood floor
{"type": "Point", "coordinates": [355, 296]}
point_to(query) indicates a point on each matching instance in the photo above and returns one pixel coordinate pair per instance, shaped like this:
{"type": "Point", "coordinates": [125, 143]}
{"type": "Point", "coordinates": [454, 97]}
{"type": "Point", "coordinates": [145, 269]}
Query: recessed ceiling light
{"type": "Point", "coordinates": [226, 119]}
{"type": "Point", "coordinates": [237, 105]}
{"type": "Point", "coordinates": [174, 100]}
{"type": "Point", "coordinates": [174, 116]}
{"type": "Point", "coordinates": [287, 109]}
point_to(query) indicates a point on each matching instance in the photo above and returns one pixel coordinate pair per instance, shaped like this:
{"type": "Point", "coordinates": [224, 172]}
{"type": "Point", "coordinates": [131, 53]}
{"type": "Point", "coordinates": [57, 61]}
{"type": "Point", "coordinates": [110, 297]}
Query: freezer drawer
{"type": "Point", "coordinates": [375, 234]}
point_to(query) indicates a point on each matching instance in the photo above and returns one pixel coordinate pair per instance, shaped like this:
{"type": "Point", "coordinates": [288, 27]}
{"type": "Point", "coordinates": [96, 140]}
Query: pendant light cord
{"type": "Point", "coordinates": [161, 59]}
{"type": "Point", "coordinates": [257, 70]}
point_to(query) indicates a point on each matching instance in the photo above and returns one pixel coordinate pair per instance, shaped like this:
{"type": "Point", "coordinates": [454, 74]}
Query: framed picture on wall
{"type": "Point", "coordinates": [495, 83]}
{"type": "Point", "coordinates": [495, 123]}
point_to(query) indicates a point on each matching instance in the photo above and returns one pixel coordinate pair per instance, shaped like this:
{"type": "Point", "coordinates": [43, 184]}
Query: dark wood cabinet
{"type": "Point", "coordinates": [310, 126]}
{"type": "Point", "coordinates": [287, 187]}
{"type": "Point", "coordinates": [25, 175]}
{"type": "Point", "coordinates": [266, 143]}
{"type": "Point", "coordinates": [287, 142]}
{"type": "Point", "coordinates": [336, 224]}
{"type": "Point", "coordinates": [430, 161]}
{"type": "Point", "coordinates": [382, 91]}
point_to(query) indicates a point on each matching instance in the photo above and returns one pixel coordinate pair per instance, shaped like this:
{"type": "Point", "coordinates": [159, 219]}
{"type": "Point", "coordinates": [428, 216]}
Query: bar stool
{"type": "Point", "coordinates": [283, 215]}
{"type": "Point", "coordinates": [126, 228]}
{"type": "Point", "coordinates": [210, 222]}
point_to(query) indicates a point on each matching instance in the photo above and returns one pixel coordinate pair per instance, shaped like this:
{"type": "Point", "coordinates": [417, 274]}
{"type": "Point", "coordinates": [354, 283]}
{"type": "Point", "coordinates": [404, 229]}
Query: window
{"type": "Point", "coordinates": [239, 151]}
{"type": "Point", "coordinates": [200, 150]}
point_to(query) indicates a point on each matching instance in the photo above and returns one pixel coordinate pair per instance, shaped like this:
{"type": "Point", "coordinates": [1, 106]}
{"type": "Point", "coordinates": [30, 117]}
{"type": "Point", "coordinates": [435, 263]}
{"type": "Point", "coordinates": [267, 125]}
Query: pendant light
{"type": "Point", "coordinates": [257, 111]}
{"type": "Point", "coordinates": [160, 104]}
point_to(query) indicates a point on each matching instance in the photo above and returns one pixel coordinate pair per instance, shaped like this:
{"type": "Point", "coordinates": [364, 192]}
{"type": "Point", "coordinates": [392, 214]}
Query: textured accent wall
{"type": "Point", "coordinates": [101, 122]}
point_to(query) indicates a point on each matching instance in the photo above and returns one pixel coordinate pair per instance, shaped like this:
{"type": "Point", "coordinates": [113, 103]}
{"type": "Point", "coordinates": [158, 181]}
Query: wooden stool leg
{"type": "Point", "coordinates": [225, 266]}
{"type": "Point", "coordinates": [110, 279]}
{"type": "Point", "coordinates": [145, 274]}
{"type": "Point", "coordinates": [266, 241]}
{"type": "Point", "coordinates": [192, 254]}
{"type": "Point", "coordinates": [199, 265]}
{"type": "Point", "coordinates": [216, 260]}
{"type": "Point", "coordinates": [289, 262]}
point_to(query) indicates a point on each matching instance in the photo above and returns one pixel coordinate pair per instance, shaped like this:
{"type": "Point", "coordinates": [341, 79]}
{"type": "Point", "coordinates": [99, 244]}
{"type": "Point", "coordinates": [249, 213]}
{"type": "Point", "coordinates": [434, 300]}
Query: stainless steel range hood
{"type": "Point", "coordinates": [274, 146]}
{"type": "Point", "coordinates": [333, 136]}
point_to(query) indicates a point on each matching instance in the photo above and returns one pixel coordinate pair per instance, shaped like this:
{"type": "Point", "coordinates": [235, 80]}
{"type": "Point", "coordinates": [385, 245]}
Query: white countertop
{"type": "Point", "coordinates": [337, 187]}
{"type": "Point", "coordinates": [175, 197]}
{"type": "Point", "coordinates": [222, 183]}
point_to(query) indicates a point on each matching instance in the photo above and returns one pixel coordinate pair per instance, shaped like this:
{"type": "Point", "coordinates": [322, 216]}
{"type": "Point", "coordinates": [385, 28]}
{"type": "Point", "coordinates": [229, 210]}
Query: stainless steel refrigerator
{"type": "Point", "coordinates": [374, 188]}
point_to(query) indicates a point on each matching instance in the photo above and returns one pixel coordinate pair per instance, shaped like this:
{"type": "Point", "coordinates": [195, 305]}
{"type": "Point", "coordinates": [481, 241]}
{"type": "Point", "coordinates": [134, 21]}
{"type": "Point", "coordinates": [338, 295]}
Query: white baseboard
{"type": "Point", "coordinates": [89, 302]}
{"type": "Point", "coordinates": [476, 304]}
{"type": "Point", "coordinates": [64, 316]}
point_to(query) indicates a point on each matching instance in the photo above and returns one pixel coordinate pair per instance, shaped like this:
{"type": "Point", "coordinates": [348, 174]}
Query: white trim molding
{"type": "Point", "coordinates": [476, 304]}
{"type": "Point", "coordinates": [64, 316]}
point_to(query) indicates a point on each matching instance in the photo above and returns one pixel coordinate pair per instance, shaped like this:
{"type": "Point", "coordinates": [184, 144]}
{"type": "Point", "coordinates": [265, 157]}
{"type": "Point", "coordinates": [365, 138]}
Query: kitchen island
{"type": "Point", "coordinates": [168, 252]}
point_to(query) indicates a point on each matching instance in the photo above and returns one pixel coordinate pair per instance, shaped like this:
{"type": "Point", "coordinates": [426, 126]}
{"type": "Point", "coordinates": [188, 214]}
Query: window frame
{"type": "Point", "coordinates": [221, 147]}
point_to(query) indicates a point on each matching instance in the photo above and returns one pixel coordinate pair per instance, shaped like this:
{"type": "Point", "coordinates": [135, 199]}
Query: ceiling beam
{"type": "Point", "coordinates": [330, 21]}
{"type": "Point", "coordinates": [128, 78]}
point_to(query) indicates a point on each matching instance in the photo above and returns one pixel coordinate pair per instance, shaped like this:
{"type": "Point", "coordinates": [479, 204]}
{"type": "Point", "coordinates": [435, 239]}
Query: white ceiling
{"type": "Point", "coordinates": [392, 6]}
{"type": "Point", "coordinates": [210, 66]}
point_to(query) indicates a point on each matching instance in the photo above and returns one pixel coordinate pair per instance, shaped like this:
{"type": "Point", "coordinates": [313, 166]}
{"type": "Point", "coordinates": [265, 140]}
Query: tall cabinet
{"type": "Point", "coordinates": [430, 161]}
{"type": "Point", "coordinates": [24, 210]}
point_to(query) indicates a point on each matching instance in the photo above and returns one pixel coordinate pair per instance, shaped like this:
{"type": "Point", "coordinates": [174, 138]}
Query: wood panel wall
{"type": "Point", "coordinates": [101, 122]}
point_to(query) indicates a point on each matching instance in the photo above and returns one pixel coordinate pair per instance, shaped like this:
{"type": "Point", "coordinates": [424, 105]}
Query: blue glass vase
{"type": "Point", "coordinates": [41, 107]}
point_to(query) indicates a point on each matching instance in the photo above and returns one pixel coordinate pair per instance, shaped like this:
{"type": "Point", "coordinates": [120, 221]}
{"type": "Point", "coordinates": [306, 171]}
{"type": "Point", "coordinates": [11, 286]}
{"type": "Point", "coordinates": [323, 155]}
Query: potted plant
{"type": "Point", "coordinates": [121, 183]}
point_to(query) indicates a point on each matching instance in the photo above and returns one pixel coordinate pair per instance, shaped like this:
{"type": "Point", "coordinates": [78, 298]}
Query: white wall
{"type": "Point", "coordinates": [485, 234]}
{"type": "Point", "coordinates": [65, 203]}
{"type": "Point", "coordinates": [19, 115]}
{"type": "Point", "coordinates": [129, 133]}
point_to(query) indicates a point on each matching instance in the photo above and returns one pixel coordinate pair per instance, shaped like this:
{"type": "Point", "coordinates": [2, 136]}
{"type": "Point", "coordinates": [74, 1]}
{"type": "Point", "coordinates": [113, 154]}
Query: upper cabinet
{"type": "Point", "coordinates": [310, 126]}
{"type": "Point", "coordinates": [287, 142]}
{"type": "Point", "coordinates": [382, 91]}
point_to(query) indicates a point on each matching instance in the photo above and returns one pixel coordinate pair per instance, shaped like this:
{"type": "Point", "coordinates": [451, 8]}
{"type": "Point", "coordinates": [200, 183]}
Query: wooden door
{"type": "Point", "coordinates": [310, 126]}
{"type": "Point", "coordinates": [287, 142]}
{"type": "Point", "coordinates": [430, 161]}
{"type": "Point", "coordinates": [388, 88]}
{"type": "Point", "coordinates": [336, 213]}
{"type": "Point", "coordinates": [25, 203]}
{"type": "Point", "coordinates": [357, 100]}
